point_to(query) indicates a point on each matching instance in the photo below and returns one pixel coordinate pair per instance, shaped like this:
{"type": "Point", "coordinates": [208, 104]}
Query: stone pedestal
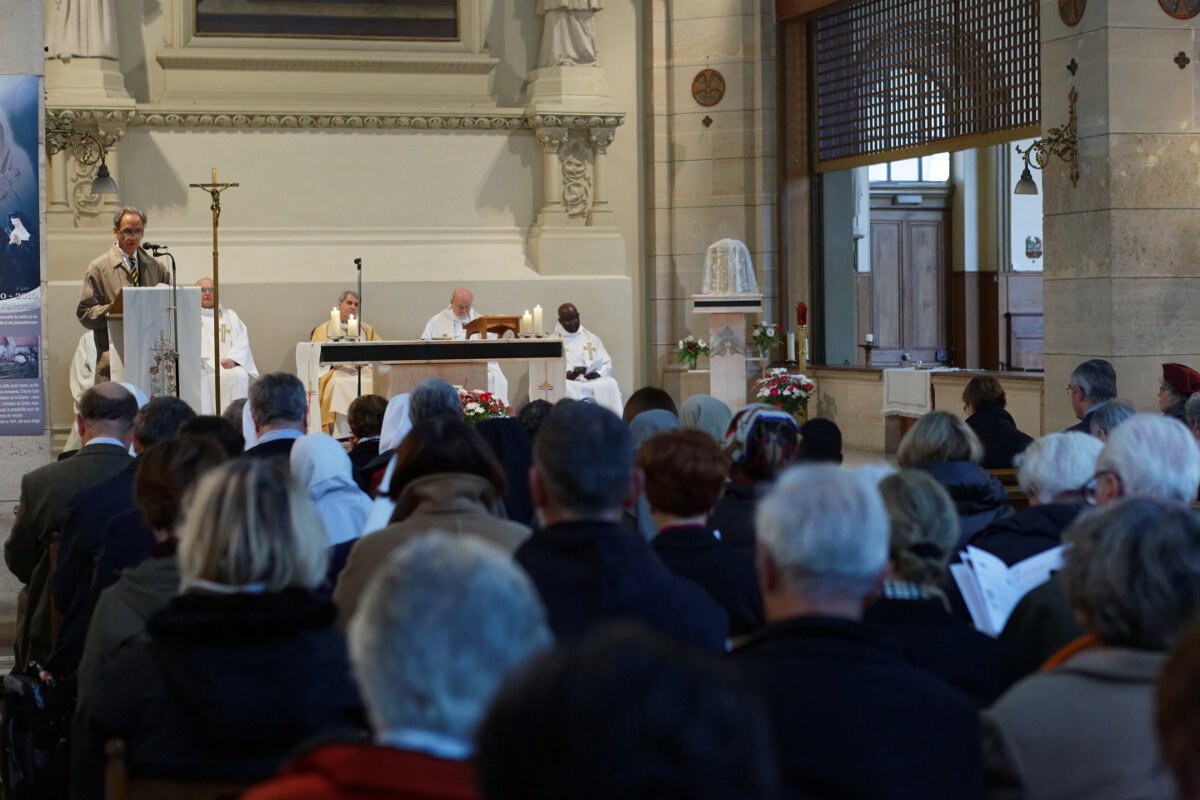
{"type": "Point", "coordinates": [727, 343]}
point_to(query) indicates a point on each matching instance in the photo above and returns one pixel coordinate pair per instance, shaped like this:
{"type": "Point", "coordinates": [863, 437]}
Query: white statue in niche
{"type": "Point", "coordinates": [568, 32]}
{"type": "Point", "coordinates": [81, 28]}
{"type": "Point", "coordinates": [728, 269]}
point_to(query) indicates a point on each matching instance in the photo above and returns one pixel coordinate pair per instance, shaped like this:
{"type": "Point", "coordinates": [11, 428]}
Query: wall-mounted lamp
{"type": "Point", "coordinates": [1059, 142]}
{"type": "Point", "coordinates": [86, 148]}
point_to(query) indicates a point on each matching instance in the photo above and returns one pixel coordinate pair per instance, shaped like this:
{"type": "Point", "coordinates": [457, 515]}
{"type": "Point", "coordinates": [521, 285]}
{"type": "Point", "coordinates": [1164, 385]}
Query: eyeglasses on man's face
{"type": "Point", "coordinates": [1089, 489]}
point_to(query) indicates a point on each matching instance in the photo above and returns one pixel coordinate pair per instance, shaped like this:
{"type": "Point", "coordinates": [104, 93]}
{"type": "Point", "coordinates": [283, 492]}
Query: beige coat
{"type": "Point", "coordinates": [453, 502]}
{"type": "Point", "coordinates": [103, 281]}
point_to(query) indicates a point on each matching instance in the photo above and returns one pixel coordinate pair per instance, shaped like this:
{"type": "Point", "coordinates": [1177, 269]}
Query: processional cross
{"type": "Point", "coordinates": [214, 190]}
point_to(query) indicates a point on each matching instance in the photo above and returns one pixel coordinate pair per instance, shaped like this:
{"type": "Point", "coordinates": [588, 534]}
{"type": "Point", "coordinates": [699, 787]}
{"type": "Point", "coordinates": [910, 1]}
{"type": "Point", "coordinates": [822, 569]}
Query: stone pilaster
{"type": "Point", "coordinates": [1122, 280]}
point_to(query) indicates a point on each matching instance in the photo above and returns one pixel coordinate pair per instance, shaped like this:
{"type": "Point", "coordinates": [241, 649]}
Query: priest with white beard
{"type": "Point", "coordinates": [450, 323]}
{"type": "Point", "coordinates": [237, 363]}
{"type": "Point", "coordinates": [589, 368]}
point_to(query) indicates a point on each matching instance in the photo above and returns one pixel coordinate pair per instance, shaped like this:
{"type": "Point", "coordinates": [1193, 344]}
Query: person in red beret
{"type": "Point", "coordinates": [1178, 384]}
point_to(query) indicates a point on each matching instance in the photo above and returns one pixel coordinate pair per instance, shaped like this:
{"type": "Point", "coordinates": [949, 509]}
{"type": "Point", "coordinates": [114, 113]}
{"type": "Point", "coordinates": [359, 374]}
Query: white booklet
{"type": "Point", "coordinates": [992, 589]}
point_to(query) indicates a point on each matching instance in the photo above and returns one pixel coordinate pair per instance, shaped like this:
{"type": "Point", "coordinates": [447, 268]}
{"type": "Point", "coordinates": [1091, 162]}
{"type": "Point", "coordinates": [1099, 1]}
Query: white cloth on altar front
{"type": "Point", "coordinates": [83, 377]}
{"type": "Point", "coordinates": [146, 337]}
{"type": "Point", "coordinates": [444, 325]}
{"type": "Point", "coordinates": [309, 371]}
{"type": "Point", "coordinates": [576, 353]}
{"type": "Point", "coordinates": [235, 345]}
{"type": "Point", "coordinates": [907, 392]}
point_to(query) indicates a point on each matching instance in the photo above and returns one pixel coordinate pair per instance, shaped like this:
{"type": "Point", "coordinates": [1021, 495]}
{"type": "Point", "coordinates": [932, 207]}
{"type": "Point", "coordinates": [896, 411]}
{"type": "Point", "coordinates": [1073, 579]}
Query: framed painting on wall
{"type": "Point", "coordinates": [427, 20]}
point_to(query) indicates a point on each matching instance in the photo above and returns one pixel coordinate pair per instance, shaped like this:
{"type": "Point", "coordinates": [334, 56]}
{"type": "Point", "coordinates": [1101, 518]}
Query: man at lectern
{"type": "Point", "coordinates": [125, 264]}
{"type": "Point", "coordinates": [339, 384]}
{"type": "Point", "coordinates": [450, 323]}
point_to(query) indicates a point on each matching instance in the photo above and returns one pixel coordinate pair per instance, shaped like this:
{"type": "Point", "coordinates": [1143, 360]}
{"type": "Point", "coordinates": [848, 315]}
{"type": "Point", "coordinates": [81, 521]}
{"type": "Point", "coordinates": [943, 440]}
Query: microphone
{"type": "Point", "coordinates": [154, 247]}
{"type": "Point", "coordinates": [358, 262]}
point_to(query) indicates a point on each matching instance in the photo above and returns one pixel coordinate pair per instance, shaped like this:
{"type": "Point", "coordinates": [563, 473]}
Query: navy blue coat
{"type": "Point", "coordinates": [726, 572]}
{"type": "Point", "coordinates": [591, 571]}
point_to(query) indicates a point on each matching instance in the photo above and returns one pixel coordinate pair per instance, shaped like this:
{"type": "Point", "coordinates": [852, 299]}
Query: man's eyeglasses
{"type": "Point", "coordinates": [1088, 490]}
{"type": "Point", "coordinates": [131, 233]}
{"type": "Point", "coordinates": [1071, 388]}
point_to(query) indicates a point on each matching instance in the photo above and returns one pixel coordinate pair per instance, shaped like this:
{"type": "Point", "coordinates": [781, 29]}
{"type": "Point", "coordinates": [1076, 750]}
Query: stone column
{"type": "Point", "coordinates": [601, 138]}
{"type": "Point", "coordinates": [551, 140]}
{"type": "Point", "coordinates": [1122, 280]}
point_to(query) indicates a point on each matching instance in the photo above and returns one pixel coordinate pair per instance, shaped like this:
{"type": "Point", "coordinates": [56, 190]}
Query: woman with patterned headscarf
{"type": "Point", "coordinates": [761, 440]}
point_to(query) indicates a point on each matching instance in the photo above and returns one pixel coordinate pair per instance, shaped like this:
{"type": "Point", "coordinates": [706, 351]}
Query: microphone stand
{"type": "Point", "coordinates": [361, 329]}
{"type": "Point", "coordinates": [173, 309]}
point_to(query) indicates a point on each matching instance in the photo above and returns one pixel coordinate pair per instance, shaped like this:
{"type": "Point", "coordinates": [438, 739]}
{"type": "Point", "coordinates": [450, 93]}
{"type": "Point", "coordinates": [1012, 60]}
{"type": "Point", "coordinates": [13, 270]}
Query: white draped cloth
{"type": "Point", "coordinates": [584, 349]}
{"type": "Point", "coordinates": [235, 345]}
{"type": "Point", "coordinates": [83, 377]}
{"type": "Point", "coordinates": [444, 325]}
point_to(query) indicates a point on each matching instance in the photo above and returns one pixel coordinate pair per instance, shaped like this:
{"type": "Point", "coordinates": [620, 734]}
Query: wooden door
{"type": "Point", "coordinates": [908, 285]}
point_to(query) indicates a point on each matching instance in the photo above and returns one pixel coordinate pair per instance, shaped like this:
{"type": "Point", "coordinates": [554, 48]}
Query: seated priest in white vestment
{"type": "Point", "coordinates": [589, 369]}
{"type": "Point", "coordinates": [237, 363]}
{"type": "Point", "coordinates": [450, 323]}
{"type": "Point", "coordinates": [83, 377]}
{"type": "Point", "coordinates": [339, 384]}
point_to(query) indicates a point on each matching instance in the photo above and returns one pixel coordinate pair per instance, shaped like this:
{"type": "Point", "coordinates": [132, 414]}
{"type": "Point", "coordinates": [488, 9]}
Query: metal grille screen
{"type": "Point", "coordinates": [916, 76]}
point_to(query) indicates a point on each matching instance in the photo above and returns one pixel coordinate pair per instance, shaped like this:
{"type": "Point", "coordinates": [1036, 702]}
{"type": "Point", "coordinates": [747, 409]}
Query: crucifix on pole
{"type": "Point", "coordinates": [214, 190]}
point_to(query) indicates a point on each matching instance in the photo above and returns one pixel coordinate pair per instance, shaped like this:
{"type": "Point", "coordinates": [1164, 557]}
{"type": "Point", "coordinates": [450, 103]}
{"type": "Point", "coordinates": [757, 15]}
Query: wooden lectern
{"type": "Point", "coordinates": [493, 323]}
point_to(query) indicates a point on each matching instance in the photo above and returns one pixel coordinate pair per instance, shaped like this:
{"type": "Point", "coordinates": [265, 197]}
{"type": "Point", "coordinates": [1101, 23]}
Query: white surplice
{"type": "Point", "coordinates": [584, 349]}
{"type": "Point", "coordinates": [444, 325]}
{"type": "Point", "coordinates": [235, 345]}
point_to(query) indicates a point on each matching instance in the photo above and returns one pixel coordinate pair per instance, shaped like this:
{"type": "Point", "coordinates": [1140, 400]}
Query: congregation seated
{"type": "Point", "coordinates": [445, 477]}
{"type": "Point", "coordinates": [1053, 473]}
{"type": "Point", "coordinates": [427, 672]}
{"type": "Point", "coordinates": [245, 663]}
{"type": "Point", "coordinates": [913, 608]}
{"type": "Point", "coordinates": [637, 516]}
{"type": "Point", "coordinates": [984, 403]}
{"type": "Point", "coordinates": [532, 415]}
{"type": "Point", "coordinates": [1150, 457]}
{"type": "Point", "coordinates": [625, 714]}
{"type": "Point", "coordinates": [429, 399]}
{"type": "Point", "coordinates": [1107, 416]}
{"type": "Point", "coordinates": [647, 398]}
{"type": "Point", "coordinates": [945, 447]}
{"type": "Point", "coordinates": [165, 472]}
{"type": "Point", "coordinates": [366, 425]}
{"type": "Point", "coordinates": [323, 470]}
{"type": "Point", "coordinates": [1084, 726]}
{"type": "Point", "coordinates": [1178, 707]}
{"type": "Point", "coordinates": [760, 442]}
{"type": "Point", "coordinates": [279, 411]}
{"type": "Point", "coordinates": [820, 442]}
{"type": "Point", "coordinates": [587, 568]}
{"type": "Point", "coordinates": [511, 445]}
{"type": "Point", "coordinates": [685, 472]}
{"type": "Point", "coordinates": [706, 413]}
{"type": "Point", "coordinates": [851, 715]}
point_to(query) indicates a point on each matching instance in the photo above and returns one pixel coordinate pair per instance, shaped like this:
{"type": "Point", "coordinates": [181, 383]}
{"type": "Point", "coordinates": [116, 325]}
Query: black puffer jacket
{"type": "Point", "coordinates": [978, 497]}
{"type": "Point", "coordinates": [226, 688]}
{"type": "Point", "coordinates": [1028, 532]}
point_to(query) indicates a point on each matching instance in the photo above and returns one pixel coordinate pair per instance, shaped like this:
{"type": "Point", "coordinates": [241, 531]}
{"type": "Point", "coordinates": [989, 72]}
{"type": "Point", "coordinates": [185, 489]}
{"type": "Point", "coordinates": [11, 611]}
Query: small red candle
{"type": "Point", "coordinates": [801, 314]}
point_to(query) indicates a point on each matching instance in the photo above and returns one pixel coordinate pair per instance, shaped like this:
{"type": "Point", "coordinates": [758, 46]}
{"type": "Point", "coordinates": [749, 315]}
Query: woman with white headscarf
{"type": "Point", "coordinates": [322, 468]}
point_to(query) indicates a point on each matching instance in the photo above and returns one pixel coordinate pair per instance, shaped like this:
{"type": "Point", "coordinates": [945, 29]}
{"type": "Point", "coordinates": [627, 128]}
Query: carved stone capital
{"type": "Point", "coordinates": [601, 138]}
{"type": "Point", "coordinates": [551, 139]}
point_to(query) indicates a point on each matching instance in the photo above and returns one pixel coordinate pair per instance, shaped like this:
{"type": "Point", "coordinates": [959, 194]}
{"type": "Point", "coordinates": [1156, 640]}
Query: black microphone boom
{"type": "Point", "coordinates": [154, 247]}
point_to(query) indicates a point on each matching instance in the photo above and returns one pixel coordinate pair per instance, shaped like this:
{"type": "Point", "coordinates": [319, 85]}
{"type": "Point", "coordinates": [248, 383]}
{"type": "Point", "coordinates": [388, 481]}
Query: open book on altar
{"type": "Point", "coordinates": [992, 589]}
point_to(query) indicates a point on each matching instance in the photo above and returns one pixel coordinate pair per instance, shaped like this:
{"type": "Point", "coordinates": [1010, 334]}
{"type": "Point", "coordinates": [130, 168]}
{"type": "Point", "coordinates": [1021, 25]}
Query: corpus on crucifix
{"type": "Point", "coordinates": [214, 190]}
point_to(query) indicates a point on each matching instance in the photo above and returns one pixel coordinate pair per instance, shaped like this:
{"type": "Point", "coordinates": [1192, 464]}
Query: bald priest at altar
{"type": "Point", "coordinates": [339, 384]}
{"type": "Point", "coordinates": [450, 323]}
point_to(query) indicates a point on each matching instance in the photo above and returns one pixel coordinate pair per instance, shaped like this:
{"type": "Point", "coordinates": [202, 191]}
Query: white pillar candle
{"type": "Point", "coordinates": [537, 320]}
{"type": "Point", "coordinates": [352, 326]}
{"type": "Point", "coordinates": [334, 317]}
{"type": "Point", "coordinates": [527, 323]}
{"type": "Point", "coordinates": [870, 338]}
{"type": "Point", "coordinates": [791, 347]}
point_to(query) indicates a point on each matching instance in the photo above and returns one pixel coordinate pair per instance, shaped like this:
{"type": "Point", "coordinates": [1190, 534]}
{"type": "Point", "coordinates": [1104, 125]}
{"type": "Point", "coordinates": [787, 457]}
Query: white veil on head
{"type": "Point", "coordinates": [728, 269]}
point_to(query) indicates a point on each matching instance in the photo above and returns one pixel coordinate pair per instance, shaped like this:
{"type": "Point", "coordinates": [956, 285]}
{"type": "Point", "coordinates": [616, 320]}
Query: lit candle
{"type": "Point", "coordinates": [537, 320]}
{"type": "Point", "coordinates": [334, 317]}
{"type": "Point", "coordinates": [791, 347]}
{"type": "Point", "coordinates": [352, 326]}
{"type": "Point", "coordinates": [527, 323]}
{"type": "Point", "coordinates": [870, 338]}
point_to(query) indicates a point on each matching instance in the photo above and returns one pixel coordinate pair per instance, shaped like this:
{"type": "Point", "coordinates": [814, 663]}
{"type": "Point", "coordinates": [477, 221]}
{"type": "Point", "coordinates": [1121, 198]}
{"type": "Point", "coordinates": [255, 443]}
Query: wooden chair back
{"type": "Point", "coordinates": [118, 785]}
{"type": "Point", "coordinates": [1016, 497]}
